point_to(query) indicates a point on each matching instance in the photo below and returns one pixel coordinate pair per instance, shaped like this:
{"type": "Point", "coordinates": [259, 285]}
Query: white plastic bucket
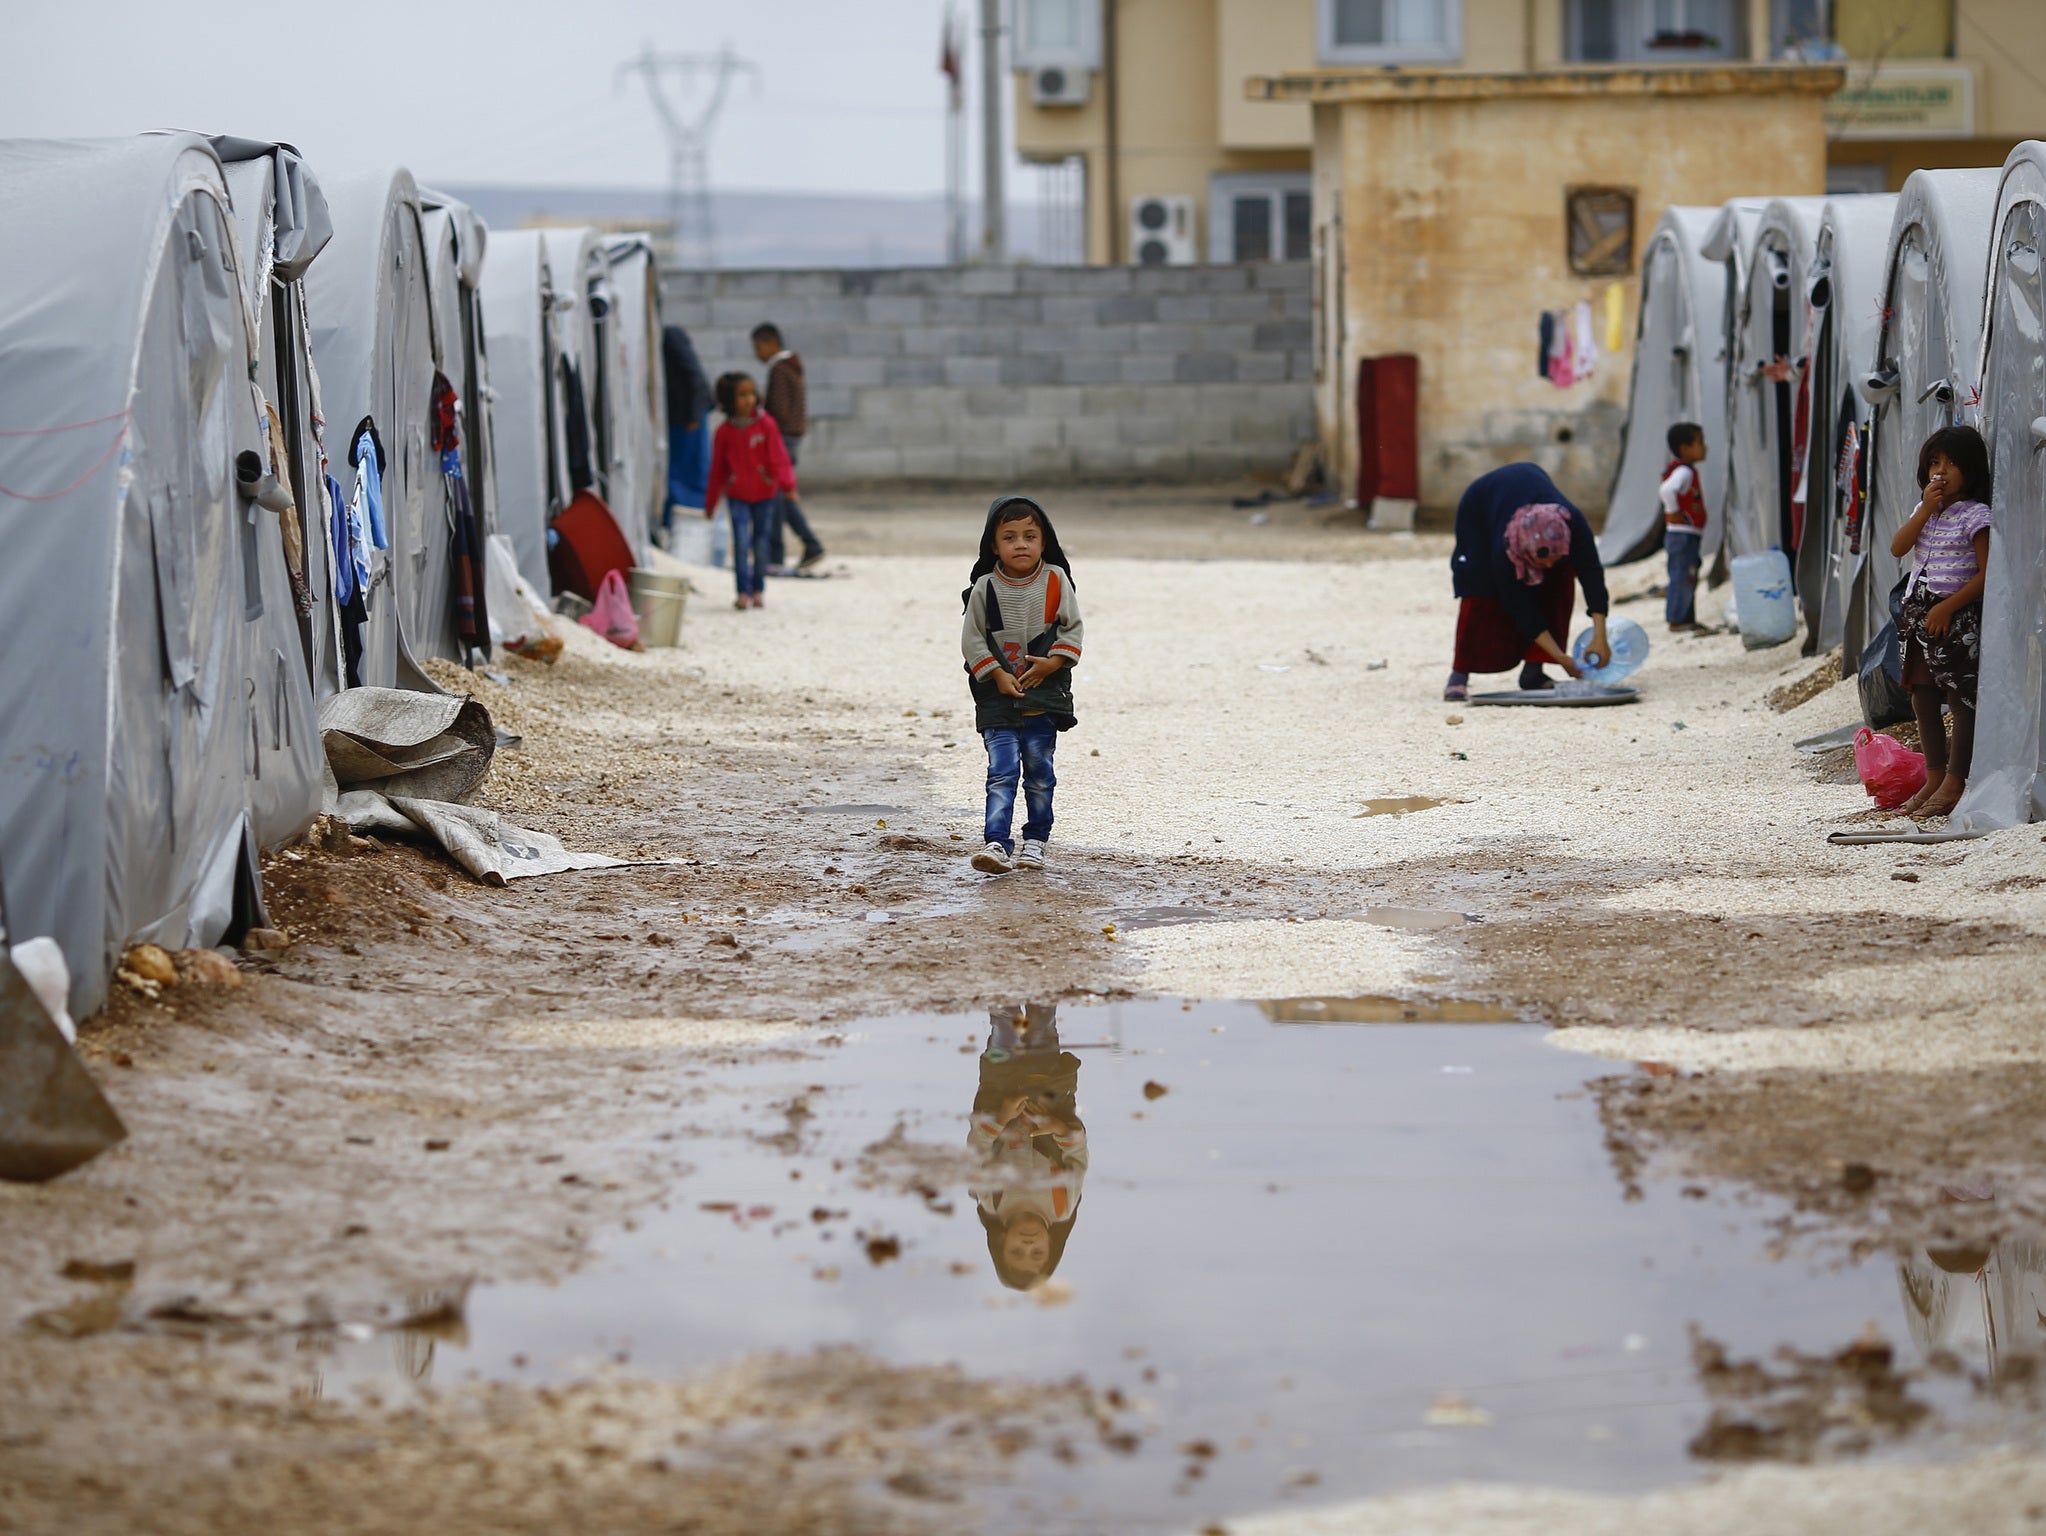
{"type": "Point", "coordinates": [690, 537]}
{"type": "Point", "coordinates": [1765, 598]}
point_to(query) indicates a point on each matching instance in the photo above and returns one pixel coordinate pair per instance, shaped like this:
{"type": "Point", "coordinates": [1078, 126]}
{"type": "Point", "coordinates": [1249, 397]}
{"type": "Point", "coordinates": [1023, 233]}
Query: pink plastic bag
{"type": "Point", "coordinates": [612, 617]}
{"type": "Point", "coordinates": [1889, 770]}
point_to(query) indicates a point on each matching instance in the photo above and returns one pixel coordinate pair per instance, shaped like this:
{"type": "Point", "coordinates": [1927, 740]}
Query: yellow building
{"type": "Point", "coordinates": [1145, 101]}
{"type": "Point", "coordinates": [1455, 210]}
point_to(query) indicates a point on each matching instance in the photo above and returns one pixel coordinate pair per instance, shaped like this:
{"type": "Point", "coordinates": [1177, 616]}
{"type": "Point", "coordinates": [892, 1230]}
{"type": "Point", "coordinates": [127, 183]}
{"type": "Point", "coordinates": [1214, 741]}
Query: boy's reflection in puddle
{"type": "Point", "coordinates": [1026, 1126]}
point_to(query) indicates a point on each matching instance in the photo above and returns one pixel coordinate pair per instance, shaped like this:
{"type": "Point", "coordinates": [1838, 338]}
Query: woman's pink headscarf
{"type": "Point", "coordinates": [1544, 529]}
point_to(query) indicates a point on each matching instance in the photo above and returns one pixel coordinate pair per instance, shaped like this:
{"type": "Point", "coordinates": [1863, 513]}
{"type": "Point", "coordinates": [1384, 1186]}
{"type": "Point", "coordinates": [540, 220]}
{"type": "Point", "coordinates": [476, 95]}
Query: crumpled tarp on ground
{"type": "Point", "coordinates": [398, 761]}
{"type": "Point", "coordinates": [482, 842]}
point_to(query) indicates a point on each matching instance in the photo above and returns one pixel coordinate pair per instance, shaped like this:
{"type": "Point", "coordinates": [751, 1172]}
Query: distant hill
{"type": "Point", "coordinates": [767, 229]}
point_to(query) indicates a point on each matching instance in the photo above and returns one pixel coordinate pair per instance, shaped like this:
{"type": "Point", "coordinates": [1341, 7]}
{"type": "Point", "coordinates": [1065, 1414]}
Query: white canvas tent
{"type": "Point", "coordinates": [1770, 323]}
{"type": "Point", "coordinates": [587, 305]}
{"type": "Point", "coordinates": [1927, 353]}
{"type": "Point", "coordinates": [1844, 295]}
{"type": "Point", "coordinates": [1679, 375]}
{"type": "Point", "coordinates": [522, 337]}
{"type": "Point", "coordinates": [282, 224]}
{"type": "Point", "coordinates": [639, 446]}
{"type": "Point", "coordinates": [2008, 784]}
{"type": "Point", "coordinates": [1728, 243]}
{"type": "Point", "coordinates": [373, 338]}
{"type": "Point", "coordinates": [125, 357]}
{"type": "Point", "coordinates": [457, 241]}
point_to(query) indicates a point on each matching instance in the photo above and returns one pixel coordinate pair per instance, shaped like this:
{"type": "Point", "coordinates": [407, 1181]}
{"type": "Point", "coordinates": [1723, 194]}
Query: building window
{"type": "Point", "coordinates": [1653, 31]}
{"type": "Point", "coordinates": [1601, 224]}
{"type": "Point", "coordinates": [1260, 217]}
{"type": "Point", "coordinates": [1063, 32]}
{"type": "Point", "coordinates": [1389, 31]}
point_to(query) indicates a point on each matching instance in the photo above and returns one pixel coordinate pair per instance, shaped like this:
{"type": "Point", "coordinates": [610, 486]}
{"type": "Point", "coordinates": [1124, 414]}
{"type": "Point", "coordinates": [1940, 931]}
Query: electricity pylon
{"type": "Point", "coordinates": [701, 82]}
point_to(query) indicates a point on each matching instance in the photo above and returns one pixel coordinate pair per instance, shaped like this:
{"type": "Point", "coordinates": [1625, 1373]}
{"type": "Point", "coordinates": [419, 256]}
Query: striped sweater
{"type": "Point", "coordinates": [1008, 622]}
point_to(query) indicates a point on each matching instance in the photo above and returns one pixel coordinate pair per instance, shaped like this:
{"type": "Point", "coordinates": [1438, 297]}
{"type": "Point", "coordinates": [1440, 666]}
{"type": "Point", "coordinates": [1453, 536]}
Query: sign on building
{"type": "Point", "coordinates": [1904, 101]}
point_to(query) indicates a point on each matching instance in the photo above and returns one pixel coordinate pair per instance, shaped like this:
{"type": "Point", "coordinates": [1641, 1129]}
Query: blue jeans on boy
{"type": "Point", "coordinates": [1681, 605]}
{"type": "Point", "coordinates": [1024, 752]}
{"type": "Point", "coordinates": [752, 522]}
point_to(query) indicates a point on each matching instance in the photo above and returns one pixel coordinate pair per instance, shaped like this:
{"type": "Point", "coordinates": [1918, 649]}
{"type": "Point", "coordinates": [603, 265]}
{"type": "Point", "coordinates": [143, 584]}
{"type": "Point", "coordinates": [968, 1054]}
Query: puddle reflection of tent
{"type": "Point", "coordinates": [1984, 1303]}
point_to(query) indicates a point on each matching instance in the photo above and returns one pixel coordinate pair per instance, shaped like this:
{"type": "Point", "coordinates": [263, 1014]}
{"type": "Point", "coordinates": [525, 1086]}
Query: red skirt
{"type": "Point", "coordinates": [1488, 641]}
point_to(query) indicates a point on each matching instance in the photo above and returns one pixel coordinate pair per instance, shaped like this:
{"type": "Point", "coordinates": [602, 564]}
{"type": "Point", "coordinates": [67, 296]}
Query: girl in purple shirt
{"type": "Point", "coordinates": [1942, 622]}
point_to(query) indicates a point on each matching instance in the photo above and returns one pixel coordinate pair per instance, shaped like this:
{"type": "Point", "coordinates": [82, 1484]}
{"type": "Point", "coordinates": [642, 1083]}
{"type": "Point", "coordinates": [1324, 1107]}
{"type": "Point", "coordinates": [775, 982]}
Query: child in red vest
{"type": "Point", "coordinates": [748, 460]}
{"type": "Point", "coordinates": [1683, 523]}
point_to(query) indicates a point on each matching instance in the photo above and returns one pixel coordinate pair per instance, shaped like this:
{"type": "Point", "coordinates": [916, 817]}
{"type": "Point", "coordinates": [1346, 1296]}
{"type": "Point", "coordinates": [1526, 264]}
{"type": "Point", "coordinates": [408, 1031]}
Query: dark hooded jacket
{"type": "Point", "coordinates": [1480, 567]}
{"type": "Point", "coordinates": [993, 709]}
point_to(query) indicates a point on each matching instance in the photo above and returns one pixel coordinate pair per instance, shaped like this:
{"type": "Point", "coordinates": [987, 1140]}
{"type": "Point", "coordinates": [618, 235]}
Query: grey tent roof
{"type": "Point", "coordinates": [1845, 287]}
{"type": "Point", "coordinates": [1778, 261]}
{"type": "Point", "coordinates": [1679, 375]}
{"type": "Point", "coordinates": [640, 442]}
{"type": "Point", "coordinates": [372, 315]}
{"type": "Point", "coordinates": [582, 283]}
{"type": "Point", "coordinates": [455, 241]}
{"type": "Point", "coordinates": [2008, 786]}
{"type": "Point", "coordinates": [123, 402]}
{"type": "Point", "coordinates": [273, 194]}
{"type": "Point", "coordinates": [519, 330]}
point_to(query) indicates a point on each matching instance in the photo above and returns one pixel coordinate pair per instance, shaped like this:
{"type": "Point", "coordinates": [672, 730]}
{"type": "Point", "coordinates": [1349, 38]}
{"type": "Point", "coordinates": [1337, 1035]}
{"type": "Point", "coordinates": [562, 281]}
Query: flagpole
{"type": "Point", "coordinates": [955, 233]}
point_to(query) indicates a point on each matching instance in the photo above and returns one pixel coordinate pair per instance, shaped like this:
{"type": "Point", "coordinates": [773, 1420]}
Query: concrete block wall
{"type": "Point", "coordinates": [1007, 374]}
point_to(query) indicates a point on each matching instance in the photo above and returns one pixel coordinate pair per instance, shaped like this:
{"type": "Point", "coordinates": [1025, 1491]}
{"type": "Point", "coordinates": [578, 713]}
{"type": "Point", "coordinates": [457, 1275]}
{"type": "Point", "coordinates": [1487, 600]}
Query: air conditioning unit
{"type": "Point", "coordinates": [1060, 85]}
{"type": "Point", "coordinates": [1162, 232]}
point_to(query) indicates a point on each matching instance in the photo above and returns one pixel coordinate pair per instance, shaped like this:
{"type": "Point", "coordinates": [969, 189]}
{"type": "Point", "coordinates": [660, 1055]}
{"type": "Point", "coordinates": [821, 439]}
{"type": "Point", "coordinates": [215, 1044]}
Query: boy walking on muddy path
{"type": "Point", "coordinates": [1020, 640]}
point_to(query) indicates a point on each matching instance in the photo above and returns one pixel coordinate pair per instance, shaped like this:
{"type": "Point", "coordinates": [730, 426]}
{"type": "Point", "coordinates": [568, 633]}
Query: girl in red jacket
{"type": "Point", "coordinates": [750, 464]}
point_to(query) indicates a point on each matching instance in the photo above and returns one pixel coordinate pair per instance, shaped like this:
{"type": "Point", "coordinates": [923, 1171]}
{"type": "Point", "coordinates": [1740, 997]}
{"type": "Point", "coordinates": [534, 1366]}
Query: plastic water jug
{"type": "Point", "coordinates": [1630, 649]}
{"type": "Point", "coordinates": [1763, 594]}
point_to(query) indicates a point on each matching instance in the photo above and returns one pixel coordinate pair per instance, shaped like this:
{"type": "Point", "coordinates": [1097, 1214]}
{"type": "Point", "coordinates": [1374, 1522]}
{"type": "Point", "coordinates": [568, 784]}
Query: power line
{"type": "Point", "coordinates": [701, 82]}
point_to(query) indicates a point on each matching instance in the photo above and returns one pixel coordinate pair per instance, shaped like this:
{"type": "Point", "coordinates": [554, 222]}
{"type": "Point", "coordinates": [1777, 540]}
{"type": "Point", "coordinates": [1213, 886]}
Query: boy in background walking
{"type": "Point", "coordinates": [787, 401]}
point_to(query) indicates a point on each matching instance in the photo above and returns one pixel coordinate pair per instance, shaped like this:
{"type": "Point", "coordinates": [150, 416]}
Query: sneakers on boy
{"type": "Point", "coordinates": [1032, 855]}
{"type": "Point", "coordinates": [810, 561]}
{"type": "Point", "coordinates": [993, 860]}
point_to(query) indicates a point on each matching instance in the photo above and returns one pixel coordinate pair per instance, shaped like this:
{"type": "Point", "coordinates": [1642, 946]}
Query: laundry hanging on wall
{"type": "Point", "coordinates": [1568, 345]}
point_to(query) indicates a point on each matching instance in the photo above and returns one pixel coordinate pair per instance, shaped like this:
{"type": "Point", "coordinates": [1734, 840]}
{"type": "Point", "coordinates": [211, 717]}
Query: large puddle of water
{"type": "Point", "coordinates": [1343, 1259]}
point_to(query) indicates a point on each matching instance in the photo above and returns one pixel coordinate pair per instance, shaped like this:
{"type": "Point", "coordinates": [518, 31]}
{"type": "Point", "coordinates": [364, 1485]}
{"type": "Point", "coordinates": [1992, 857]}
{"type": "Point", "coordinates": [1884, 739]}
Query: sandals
{"type": "Point", "coordinates": [1456, 690]}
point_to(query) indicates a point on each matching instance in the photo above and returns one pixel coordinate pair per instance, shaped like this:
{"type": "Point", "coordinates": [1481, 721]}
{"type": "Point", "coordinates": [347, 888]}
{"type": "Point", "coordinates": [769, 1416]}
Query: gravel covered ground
{"type": "Point", "coordinates": [439, 1083]}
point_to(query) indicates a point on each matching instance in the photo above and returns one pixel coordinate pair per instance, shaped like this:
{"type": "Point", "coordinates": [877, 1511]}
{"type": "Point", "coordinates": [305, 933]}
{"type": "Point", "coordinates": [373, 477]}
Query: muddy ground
{"type": "Point", "coordinates": [439, 1084]}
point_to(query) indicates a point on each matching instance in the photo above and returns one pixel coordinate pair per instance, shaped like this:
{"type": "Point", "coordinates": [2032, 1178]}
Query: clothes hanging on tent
{"type": "Point", "coordinates": [288, 525]}
{"type": "Point", "coordinates": [1847, 476]}
{"type": "Point", "coordinates": [367, 456]}
{"type": "Point", "coordinates": [580, 475]}
{"type": "Point", "coordinates": [351, 578]}
{"type": "Point", "coordinates": [465, 562]}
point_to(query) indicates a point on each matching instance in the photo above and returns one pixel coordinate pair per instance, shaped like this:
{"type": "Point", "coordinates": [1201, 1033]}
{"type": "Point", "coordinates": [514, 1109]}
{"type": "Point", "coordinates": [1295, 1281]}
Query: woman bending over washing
{"type": "Point", "coordinates": [1521, 553]}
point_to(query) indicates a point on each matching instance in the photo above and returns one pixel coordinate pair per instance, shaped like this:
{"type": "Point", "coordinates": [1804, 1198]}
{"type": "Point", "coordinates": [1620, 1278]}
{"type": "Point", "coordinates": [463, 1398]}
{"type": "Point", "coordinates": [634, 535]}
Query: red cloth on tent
{"type": "Point", "coordinates": [591, 547]}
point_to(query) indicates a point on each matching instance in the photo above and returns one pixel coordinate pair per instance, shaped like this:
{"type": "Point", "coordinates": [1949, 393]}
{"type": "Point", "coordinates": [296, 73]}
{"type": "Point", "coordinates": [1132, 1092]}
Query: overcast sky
{"type": "Point", "coordinates": [849, 96]}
